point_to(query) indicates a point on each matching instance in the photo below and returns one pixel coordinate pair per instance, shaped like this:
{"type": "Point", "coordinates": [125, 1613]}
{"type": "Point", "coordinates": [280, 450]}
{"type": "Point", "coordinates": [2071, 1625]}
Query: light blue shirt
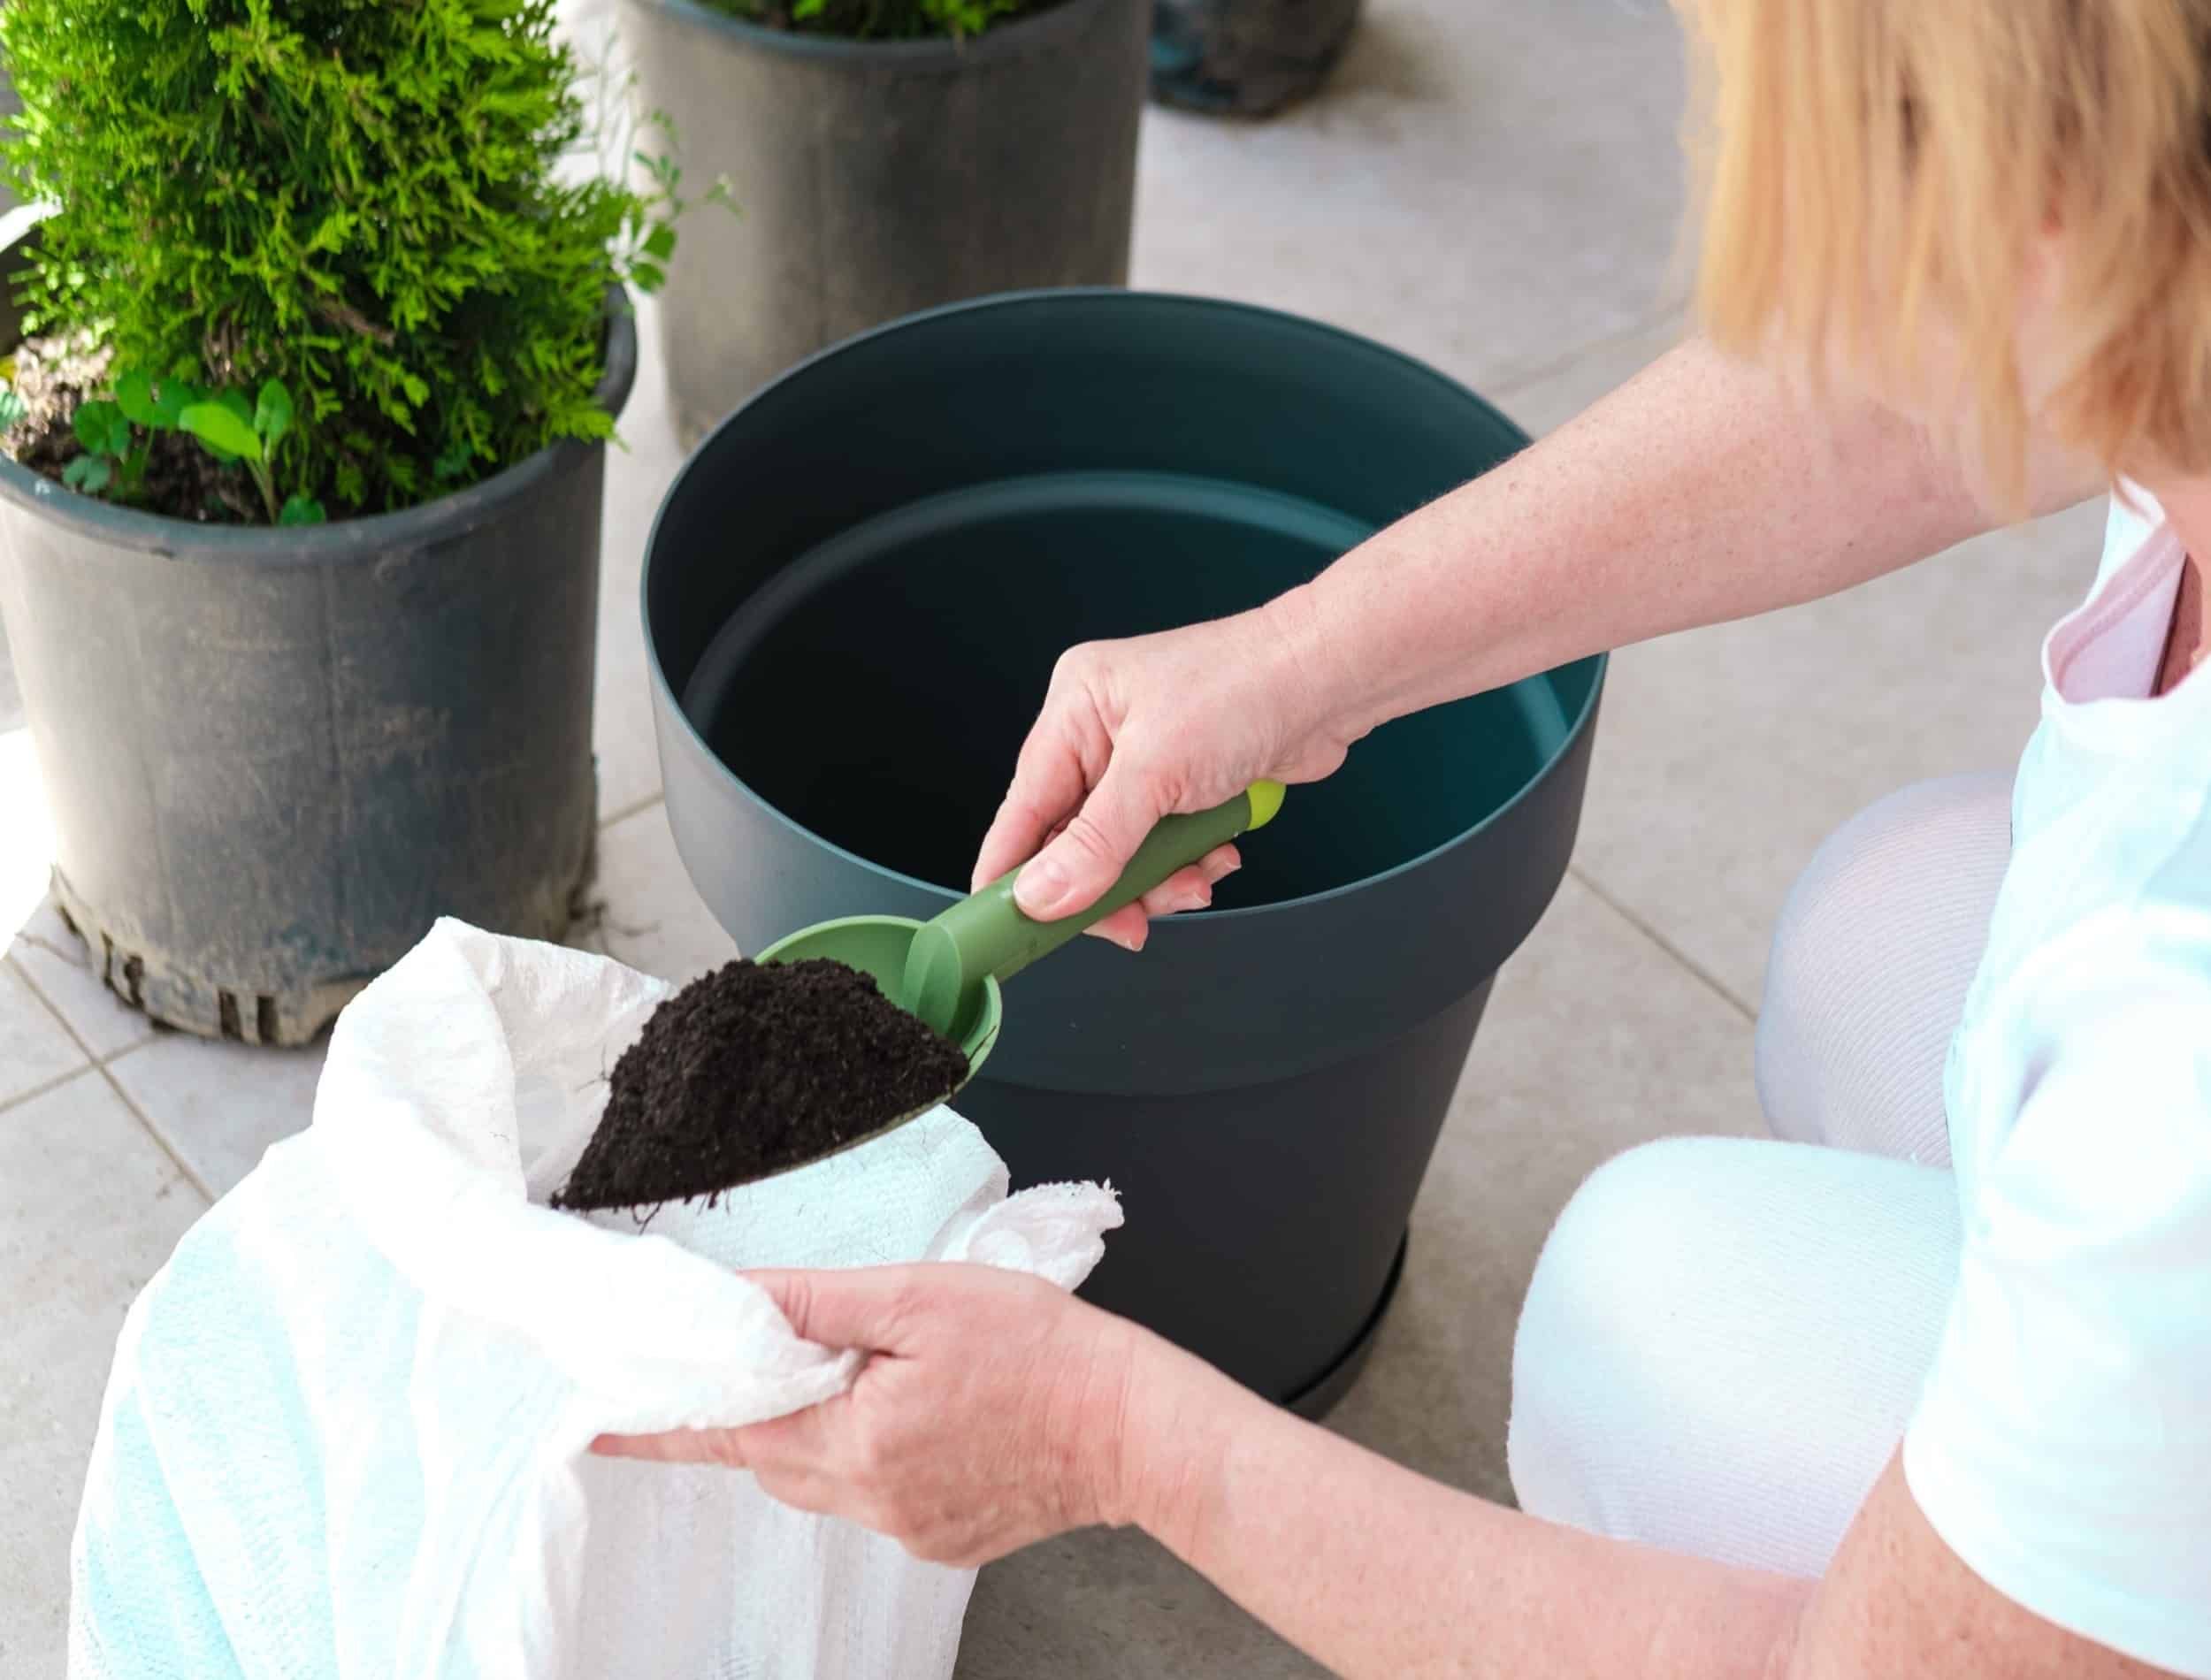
{"type": "Point", "coordinates": [2062, 1444]}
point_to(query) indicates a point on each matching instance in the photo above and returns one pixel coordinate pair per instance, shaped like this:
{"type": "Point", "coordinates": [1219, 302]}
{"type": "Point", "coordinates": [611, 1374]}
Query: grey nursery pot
{"type": "Point", "coordinates": [872, 178]}
{"type": "Point", "coordinates": [275, 756]}
{"type": "Point", "coordinates": [1246, 58]}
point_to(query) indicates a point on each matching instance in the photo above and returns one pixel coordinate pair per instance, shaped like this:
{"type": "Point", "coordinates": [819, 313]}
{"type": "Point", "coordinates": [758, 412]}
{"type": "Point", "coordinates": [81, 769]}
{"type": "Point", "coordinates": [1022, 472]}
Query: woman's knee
{"type": "Point", "coordinates": [1874, 950]}
{"type": "Point", "coordinates": [1592, 1390]}
{"type": "Point", "coordinates": [1722, 1341]}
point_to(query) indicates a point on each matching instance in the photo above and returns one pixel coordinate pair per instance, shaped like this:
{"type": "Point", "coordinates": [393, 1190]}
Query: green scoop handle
{"type": "Point", "coordinates": [987, 937]}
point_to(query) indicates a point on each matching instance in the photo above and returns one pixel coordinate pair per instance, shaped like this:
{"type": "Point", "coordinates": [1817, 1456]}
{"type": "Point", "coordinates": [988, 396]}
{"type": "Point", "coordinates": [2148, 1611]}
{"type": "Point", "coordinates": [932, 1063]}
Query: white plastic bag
{"type": "Point", "coordinates": [345, 1434]}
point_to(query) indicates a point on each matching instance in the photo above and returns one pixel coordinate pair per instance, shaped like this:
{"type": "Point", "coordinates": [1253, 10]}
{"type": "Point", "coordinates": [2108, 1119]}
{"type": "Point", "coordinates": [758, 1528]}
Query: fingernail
{"type": "Point", "coordinates": [1126, 941]}
{"type": "Point", "coordinates": [1039, 888]}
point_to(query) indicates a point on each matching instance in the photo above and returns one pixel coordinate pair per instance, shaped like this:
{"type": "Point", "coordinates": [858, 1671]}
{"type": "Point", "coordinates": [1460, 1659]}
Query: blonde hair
{"type": "Point", "coordinates": [1872, 170]}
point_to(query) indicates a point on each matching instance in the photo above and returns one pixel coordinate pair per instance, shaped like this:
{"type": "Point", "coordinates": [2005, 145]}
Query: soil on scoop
{"type": "Point", "coordinates": [751, 1069]}
{"type": "Point", "coordinates": [182, 480]}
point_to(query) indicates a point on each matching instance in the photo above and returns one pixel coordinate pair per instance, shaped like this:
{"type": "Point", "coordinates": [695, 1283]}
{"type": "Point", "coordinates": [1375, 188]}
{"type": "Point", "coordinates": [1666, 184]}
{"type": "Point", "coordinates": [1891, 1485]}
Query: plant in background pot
{"type": "Point", "coordinates": [9, 106]}
{"type": "Point", "coordinates": [1245, 57]}
{"type": "Point", "coordinates": [298, 520]}
{"type": "Point", "coordinates": [888, 156]}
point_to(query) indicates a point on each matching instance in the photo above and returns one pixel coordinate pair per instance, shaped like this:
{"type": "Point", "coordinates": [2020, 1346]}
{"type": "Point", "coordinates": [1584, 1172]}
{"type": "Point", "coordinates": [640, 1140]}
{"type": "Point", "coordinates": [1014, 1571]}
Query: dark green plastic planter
{"type": "Point", "coordinates": [853, 598]}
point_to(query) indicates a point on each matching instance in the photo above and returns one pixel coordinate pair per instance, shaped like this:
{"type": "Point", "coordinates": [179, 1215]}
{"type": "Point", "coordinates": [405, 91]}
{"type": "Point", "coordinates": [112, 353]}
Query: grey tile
{"type": "Point", "coordinates": [217, 1105]}
{"type": "Point", "coordinates": [1107, 1606]}
{"type": "Point", "coordinates": [89, 1208]}
{"type": "Point", "coordinates": [1725, 755]}
{"type": "Point", "coordinates": [60, 967]}
{"type": "Point", "coordinates": [637, 476]}
{"type": "Point", "coordinates": [650, 916]}
{"type": "Point", "coordinates": [1486, 184]}
{"type": "Point", "coordinates": [36, 1049]}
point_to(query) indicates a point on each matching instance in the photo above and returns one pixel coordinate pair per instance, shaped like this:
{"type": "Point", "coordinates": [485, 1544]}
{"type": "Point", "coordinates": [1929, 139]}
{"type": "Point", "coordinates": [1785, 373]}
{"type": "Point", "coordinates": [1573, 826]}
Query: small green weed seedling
{"type": "Point", "coordinates": [228, 426]}
{"type": "Point", "coordinates": [232, 430]}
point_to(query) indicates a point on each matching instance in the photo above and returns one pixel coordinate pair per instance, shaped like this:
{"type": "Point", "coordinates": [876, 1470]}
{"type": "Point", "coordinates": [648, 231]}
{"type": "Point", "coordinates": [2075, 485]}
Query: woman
{"type": "Point", "coordinates": [1936, 1396]}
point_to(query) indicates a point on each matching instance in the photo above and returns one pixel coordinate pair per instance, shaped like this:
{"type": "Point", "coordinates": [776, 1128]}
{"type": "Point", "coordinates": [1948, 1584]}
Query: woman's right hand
{"type": "Point", "coordinates": [1136, 730]}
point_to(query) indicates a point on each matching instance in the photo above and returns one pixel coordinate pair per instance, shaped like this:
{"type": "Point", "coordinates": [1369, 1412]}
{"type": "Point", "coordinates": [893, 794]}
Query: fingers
{"type": "Point", "coordinates": [1129, 928]}
{"type": "Point", "coordinates": [1193, 888]}
{"type": "Point", "coordinates": [676, 1446]}
{"type": "Point", "coordinates": [799, 1441]}
{"type": "Point", "coordinates": [791, 1478]}
{"type": "Point", "coordinates": [1074, 870]}
{"type": "Point", "coordinates": [786, 1454]}
{"type": "Point", "coordinates": [865, 1307]}
{"type": "Point", "coordinates": [1187, 889]}
{"type": "Point", "coordinates": [1048, 787]}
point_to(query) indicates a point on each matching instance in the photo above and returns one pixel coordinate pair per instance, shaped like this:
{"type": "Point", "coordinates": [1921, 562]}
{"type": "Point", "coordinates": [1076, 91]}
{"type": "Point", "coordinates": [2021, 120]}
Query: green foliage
{"type": "Point", "coordinates": [351, 202]}
{"type": "Point", "coordinates": [879, 18]}
{"type": "Point", "coordinates": [228, 426]}
{"type": "Point", "coordinates": [228, 435]}
{"type": "Point", "coordinates": [229, 430]}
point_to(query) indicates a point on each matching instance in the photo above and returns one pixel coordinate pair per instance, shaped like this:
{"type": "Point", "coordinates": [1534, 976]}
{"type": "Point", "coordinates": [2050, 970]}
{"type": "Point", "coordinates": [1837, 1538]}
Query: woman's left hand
{"type": "Point", "coordinates": [988, 1416]}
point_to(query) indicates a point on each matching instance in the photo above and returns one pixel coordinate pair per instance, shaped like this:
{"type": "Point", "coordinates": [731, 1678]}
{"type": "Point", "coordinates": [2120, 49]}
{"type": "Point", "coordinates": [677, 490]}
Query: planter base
{"type": "Point", "coordinates": [1246, 58]}
{"type": "Point", "coordinates": [1319, 1397]}
{"type": "Point", "coordinates": [291, 1014]}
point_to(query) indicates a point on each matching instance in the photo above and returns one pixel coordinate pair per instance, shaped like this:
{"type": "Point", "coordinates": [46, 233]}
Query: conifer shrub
{"type": "Point", "coordinates": [351, 207]}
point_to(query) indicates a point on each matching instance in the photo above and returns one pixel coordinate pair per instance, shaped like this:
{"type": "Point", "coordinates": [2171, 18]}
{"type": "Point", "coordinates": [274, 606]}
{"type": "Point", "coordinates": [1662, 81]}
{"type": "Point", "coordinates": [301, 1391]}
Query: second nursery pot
{"type": "Point", "coordinates": [274, 757]}
{"type": "Point", "coordinates": [1246, 58]}
{"type": "Point", "coordinates": [873, 179]}
{"type": "Point", "coordinates": [848, 645]}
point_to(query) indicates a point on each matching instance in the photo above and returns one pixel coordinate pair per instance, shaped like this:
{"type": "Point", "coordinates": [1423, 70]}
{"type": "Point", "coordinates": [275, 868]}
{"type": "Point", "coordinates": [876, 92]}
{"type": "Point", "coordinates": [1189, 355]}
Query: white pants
{"type": "Point", "coordinates": [1725, 1337]}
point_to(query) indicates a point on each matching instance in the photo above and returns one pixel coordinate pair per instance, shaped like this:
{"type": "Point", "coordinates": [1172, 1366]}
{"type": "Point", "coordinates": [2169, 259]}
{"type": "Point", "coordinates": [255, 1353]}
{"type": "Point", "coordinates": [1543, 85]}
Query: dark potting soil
{"type": "Point", "coordinates": [751, 1069]}
{"type": "Point", "coordinates": [182, 480]}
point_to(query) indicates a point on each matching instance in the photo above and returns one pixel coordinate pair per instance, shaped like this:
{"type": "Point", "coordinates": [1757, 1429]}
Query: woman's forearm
{"type": "Point", "coordinates": [1374, 1571]}
{"type": "Point", "coordinates": [1701, 491]}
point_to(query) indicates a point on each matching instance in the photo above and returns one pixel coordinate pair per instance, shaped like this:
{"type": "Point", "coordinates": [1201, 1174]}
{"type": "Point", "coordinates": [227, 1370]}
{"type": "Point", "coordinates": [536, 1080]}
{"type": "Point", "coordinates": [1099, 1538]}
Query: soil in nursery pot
{"type": "Point", "coordinates": [182, 480]}
{"type": "Point", "coordinates": [751, 1069]}
{"type": "Point", "coordinates": [857, 19]}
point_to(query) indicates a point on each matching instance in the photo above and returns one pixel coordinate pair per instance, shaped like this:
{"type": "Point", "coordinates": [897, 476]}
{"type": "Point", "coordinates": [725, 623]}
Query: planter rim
{"type": "Point", "coordinates": [340, 540]}
{"type": "Point", "coordinates": [929, 52]}
{"type": "Point", "coordinates": [671, 704]}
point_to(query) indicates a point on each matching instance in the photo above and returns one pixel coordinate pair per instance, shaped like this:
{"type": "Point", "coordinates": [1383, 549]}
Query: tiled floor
{"type": "Point", "coordinates": [1490, 185]}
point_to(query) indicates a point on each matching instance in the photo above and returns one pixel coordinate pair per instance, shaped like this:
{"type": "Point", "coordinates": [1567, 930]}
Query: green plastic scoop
{"type": "Point", "coordinates": [949, 971]}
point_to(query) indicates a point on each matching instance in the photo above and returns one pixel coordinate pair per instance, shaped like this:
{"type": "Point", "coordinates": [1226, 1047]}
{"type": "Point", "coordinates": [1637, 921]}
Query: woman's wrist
{"type": "Point", "coordinates": [1162, 1454]}
{"type": "Point", "coordinates": [1313, 669]}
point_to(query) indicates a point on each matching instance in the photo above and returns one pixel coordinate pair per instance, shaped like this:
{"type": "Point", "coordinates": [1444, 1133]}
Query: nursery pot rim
{"type": "Point", "coordinates": [362, 538]}
{"type": "Point", "coordinates": [672, 704]}
{"type": "Point", "coordinates": [929, 52]}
